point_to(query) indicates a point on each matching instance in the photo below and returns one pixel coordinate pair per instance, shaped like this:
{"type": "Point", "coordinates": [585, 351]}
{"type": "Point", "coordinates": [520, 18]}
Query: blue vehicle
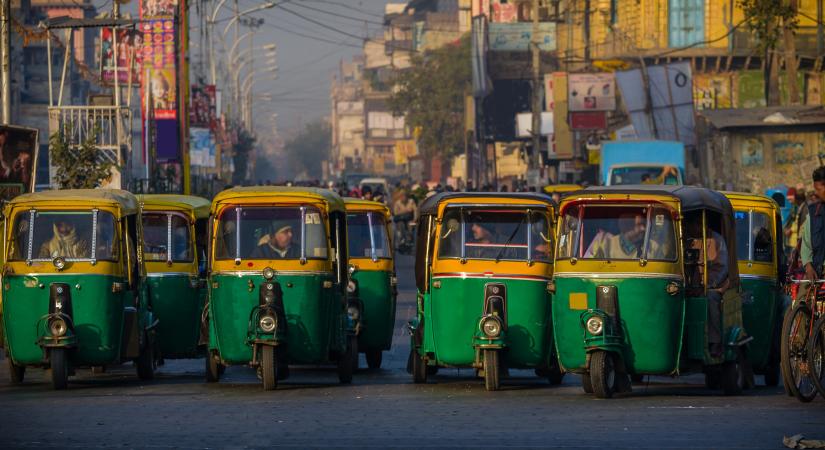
{"type": "Point", "coordinates": [643, 162]}
{"type": "Point", "coordinates": [779, 194]}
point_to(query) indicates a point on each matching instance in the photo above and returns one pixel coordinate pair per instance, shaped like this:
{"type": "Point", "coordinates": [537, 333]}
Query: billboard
{"type": "Point", "coordinates": [18, 160]}
{"type": "Point", "coordinates": [202, 151]}
{"type": "Point", "coordinates": [517, 36]}
{"type": "Point", "coordinates": [591, 92]}
{"type": "Point", "coordinates": [202, 112]}
{"type": "Point", "coordinates": [159, 62]}
{"type": "Point", "coordinates": [129, 54]}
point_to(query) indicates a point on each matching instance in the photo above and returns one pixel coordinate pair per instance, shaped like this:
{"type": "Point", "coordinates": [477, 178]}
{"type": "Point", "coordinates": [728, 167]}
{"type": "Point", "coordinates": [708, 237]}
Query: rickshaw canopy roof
{"type": "Point", "coordinates": [430, 205]}
{"type": "Point", "coordinates": [198, 205]}
{"type": "Point", "coordinates": [691, 198]}
{"type": "Point", "coordinates": [756, 199]}
{"type": "Point", "coordinates": [561, 188]}
{"type": "Point", "coordinates": [239, 194]}
{"type": "Point", "coordinates": [357, 204]}
{"type": "Point", "coordinates": [125, 201]}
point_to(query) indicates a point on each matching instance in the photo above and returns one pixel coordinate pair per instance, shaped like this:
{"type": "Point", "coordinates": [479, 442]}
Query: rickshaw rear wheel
{"type": "Point", "coordinates": [348, 361]}
{"type": "Point", "coordinates": [491, 370]}
{"type": "Point", "coordinates": [794, 358]}
{"type": "Point", "coordinates": [269, 367]}
{"type": "Point", "coordinates": [374, 358]}
{"type": "Point", "coordinates": [16, 373]}
{"type": "Point", "coordinates": [214, 369]}
{"type": "Point", "coordinates": [587, 386]}
{"type": "Point", "coordinates": [145, 363]}
{"type": "Point", "coordinates": [603, 374]}
{"type": "Point", "coordinates": [59, 368]}
{"type": "Point", "coordinates": [419, 367]}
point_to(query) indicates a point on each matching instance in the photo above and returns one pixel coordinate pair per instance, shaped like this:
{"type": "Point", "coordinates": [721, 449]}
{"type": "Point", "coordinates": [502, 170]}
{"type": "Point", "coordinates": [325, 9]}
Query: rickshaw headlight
{"type": "Point", "coordinates": [268, 323]}
{"type": "Point", "coordinates": [351, 287]}
{"type": "Point", "coordinates": [58, 327]}
{"type": "Point", "coordinates": [491, 327]}
{"type": "Point", "coordinates": [595, 325]}
{"type": "Point", "coordinates": [59, 263]}
{"type": "Point", "coordinates": [353, 312]}
{"type": "Point", "coordinates": [269, 273]}
{"type": "Point", "coordinates": [672, 288]}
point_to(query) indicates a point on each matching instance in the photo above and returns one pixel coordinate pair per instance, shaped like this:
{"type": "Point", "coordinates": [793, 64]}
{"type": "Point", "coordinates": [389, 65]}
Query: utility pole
{"type": "Point", "coordinates": [535, 158]}
{"type": "Point", "coordinates": [790, 56]}
{"type": "Point", "coordinates": [820, 36]}
{"type": "Point", "coordinates": [5, 36]}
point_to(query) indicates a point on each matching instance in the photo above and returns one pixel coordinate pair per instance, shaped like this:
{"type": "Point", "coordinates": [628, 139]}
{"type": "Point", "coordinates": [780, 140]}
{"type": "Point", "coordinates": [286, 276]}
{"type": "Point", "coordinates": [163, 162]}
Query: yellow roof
{"type": "Point", "coordinates": [198, 205]}
{"type": "Point", "coordinates": [739, 199]}
{"type": "Point", "coordinates": [239, 194]}
{"type": "Point", "coordinates": [356, 204]}
{"type": "Point", "coordinates": [561, 188]}
{"type": "Point", "coordinates": [123, 200]}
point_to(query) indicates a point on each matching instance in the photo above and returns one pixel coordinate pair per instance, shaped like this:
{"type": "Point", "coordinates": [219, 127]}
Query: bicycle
{"type": "Point", "coordinates": [803, 343]}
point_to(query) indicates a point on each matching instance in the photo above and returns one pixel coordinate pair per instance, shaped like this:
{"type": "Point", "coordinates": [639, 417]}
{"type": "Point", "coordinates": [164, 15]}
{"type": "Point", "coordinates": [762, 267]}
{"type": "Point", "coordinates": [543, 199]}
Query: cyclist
{"type": "Point", "coordinates": [812, 248]}
{"type": "Point", "coordinates": [405, 211]}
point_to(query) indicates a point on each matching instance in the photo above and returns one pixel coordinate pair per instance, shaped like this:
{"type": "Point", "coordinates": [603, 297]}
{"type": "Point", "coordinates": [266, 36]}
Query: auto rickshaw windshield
{"type": "Point", "coordinates": [367, 235]}
{"type": "Point", "coordinates": [255, 232]}
{"type": "Point", "coordinates": [73, 235]}
{"type": "Point", "coordinates": [165, 231]}
{"type": "Point", "coordinates": [753, 236]}
{"type": "Point", "coordinates": [497, 234]}
{"type": "Point", "coordinates": [617, 232]}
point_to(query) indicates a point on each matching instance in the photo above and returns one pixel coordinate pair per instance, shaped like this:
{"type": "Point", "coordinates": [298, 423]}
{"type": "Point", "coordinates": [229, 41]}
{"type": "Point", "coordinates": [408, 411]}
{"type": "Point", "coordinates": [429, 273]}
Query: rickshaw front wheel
{"type": "Point", "coordinates": [713, 379]}
{"type": "Point", "coordinates": [59, 368]}
{"type": "Point", "coordinates": [16, 373]}
{"type": "Point", "coordinates": [587, 386]}
{"type": "Point", "coordinates": [145, 362]}
{"type": "Point", "coordinates": [419, 367]}
{"type": "Point", "coordinates": [374, 358]}
{"type": "Point", "coordinates": [491, 370]}
{"type": "Point", "coordinates": [214, 369]}
{"type": "Point", "coordinates": [733, 379]}
{"type": "Point", "coordinates": [348, 361]}
{"type": "Point", "coordinates": [603, 374]}
{"type": "Point", "coordinates": [269, 367]}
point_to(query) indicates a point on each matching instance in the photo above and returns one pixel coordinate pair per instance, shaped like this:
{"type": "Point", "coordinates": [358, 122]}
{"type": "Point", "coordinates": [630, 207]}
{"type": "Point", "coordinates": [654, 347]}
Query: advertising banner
{"type": "Point", "coordinates": [592, 92]}
{"type": "Point", "coordinates": [202, 151]}
{"type": "Point", "coordinates": [517, 36]}
{"type": "Point", "coordinates": [18, 160]}
{"type": "Point", "coordinates": [129, 54]}
{"type": "Point", "coordinates": [202, 113]}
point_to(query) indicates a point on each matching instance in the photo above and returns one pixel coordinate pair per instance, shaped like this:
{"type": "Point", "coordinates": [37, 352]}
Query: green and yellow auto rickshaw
{"type": "Point", "coordinates": [372, 284]}
{"type": "Point", "coordinates": [74, 286]}
{"type": "Point", "coordinates": [174, 247]}
{"type": "Point", "coordinates": [483, 266]}
{"type": "Point", "coordinates": [277, 282]}
{"type": "Point", "coordinates": [761, 271]}
{"type": "Point", "coordinates": [632, 293]}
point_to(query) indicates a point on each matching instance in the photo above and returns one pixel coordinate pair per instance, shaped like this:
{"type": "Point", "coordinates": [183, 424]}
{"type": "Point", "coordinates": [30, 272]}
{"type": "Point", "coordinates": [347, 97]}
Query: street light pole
{"type": "Point", "coordinates": [5, 36]}
{"type": "Point", "coordinates": [535, 159]}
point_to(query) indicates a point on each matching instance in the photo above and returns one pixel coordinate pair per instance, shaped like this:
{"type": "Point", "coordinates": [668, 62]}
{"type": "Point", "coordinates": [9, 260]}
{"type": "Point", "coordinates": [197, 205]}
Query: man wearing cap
{"type": "Point", "coordinates": [482, 236]}
{"type": "Point", "coordinates": [279, 243]}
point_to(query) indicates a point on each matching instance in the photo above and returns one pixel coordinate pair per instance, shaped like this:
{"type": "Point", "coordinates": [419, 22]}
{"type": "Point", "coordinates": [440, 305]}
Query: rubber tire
{"type": "Point", "coordinates": [603, 374]}
{"type": "Point", "coordinates": [818, 341]}
{"type": "Point", "coordinates": [374, 358]}
{"type": "Point", "coordinates": [787, 367]}
{"type": "Point", "coordinates": [556, 376]}
{"type": "Point", "coordinates": [59, 368]}
{"type": "Point", "coordinates": [269, 367]}
{"type": "Point", "coordinates": [16, 373]}
{"type": "Point", "coordinates": [732, 378]}
{"type": "Point", "coordinates": [491, 370]}
{"type": "Point", "coordinates": [419, 368]}
{"type": "Point", "coordinates": [145, 362]}
{"type": "Point", "coordinates": [348, 361]}
{"type": "Point", "coordinates": [214, 369]}
{"type": "Point", "coordinates": [713, 379]}
{"type": "Point", "coordinates": [587, 386]}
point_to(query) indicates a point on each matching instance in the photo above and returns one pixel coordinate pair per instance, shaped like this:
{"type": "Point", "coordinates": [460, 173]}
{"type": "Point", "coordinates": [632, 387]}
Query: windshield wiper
{"type": "Point", "coordinates": [510, 239]}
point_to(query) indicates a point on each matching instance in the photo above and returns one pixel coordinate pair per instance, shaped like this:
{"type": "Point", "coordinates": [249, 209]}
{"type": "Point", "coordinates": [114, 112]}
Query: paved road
{"type": "Point", "coordinates": [383, 408]}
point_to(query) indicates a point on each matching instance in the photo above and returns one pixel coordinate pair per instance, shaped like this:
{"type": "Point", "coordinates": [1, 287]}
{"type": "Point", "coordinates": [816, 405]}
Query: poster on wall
{"type": "Point", "coordinates": [591, 92]}
{"type": "Point", "coordinates": [712, 91]}
{"type": "Point", "coordinates": [129, 54]}
{"type": "Point", "coordinates": [18, 159]}
{"type": "Point", "coordinates": [752, 153]}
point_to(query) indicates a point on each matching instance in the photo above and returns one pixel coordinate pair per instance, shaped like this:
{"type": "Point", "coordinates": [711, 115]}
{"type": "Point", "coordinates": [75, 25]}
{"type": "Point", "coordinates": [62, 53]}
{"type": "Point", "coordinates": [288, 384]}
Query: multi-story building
{"type": "Point", "coordinates": [347, 118]}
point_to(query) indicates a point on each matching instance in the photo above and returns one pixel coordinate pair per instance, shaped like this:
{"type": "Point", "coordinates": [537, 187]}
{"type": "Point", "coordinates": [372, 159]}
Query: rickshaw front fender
{"type": "Point", "coordinates": [67, 341]}
{"type": "Point", "coordinates": [737, 338]}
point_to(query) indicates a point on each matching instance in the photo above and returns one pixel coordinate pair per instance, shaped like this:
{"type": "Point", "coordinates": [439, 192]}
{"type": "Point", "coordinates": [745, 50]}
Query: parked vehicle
{"type": "Point", "coordinates": [642, 162]}
{"type": "Point", "coordinates": [277, 283]}
{"type": "Point", "coordinates": [75, 293]}
{"type": "Point", "coordinates": [483, 267]}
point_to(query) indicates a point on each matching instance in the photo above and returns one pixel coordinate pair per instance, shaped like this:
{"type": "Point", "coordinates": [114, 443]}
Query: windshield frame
{"type": "Point", "coordinates": [190, 241]}
{"type": "Point", "coordinates": [751, 259]}
{"type": "Point", "coordinates": [372, 224]}
{"type": "Point", "coordinates": [29, 243]}
{"type": "Point", "coordinates": [576, 252]}
{"type": "Point", "coordinates": [525, 210]}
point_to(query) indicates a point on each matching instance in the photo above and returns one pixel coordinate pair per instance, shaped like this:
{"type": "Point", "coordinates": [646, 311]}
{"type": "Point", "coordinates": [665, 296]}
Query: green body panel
{"type": "Point", "coordinates": [316, 316]}
{"type": "Point", "coordinates": [761, 316]}
{"type": "Point", "coordinates": [97, 314]}
{"type": "Point", "coordinates": [651, 323]}
{"type": "Point", "coordinates": [178, 307]}
{"type": "Point", "coordinates": [696, 317]}
{"type": "Point", "coordinates": [452, 313]}
{"type": "Point", "coordinates": [378, 315]}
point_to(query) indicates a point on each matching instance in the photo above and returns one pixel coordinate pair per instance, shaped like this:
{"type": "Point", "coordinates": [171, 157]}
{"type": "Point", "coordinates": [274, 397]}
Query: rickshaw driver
{"type": "Point", "coordinates": [628, 244]}
{"type": "Point", "coordinates": [483, 236]}
{"type": "Point", "coordinates": [65, 242]}
{"type": "Point", "coordinates": [717, 270]}
{"type": "Point", "coordinates": [812, 247]}
{"type": "Point", "coordinates": [279, 245]}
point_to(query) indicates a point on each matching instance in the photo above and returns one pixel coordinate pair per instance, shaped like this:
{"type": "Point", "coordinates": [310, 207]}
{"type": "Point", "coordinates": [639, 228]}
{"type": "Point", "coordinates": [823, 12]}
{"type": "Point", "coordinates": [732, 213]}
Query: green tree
{"type": "Point", "coordinates": [78, 166]}
{"type": "Point", "coordinates": [308, 150]}
{"type": "Point", "coordinates": [431, 93]}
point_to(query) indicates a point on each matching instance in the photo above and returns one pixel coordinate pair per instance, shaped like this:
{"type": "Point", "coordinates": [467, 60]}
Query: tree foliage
{"type": "Point", "coordinates": [77, 166]}
{"type": "Point", "coordinates": [765, 19]}
{"type": "Point", "coordinates": [431, 93]}
{"type": "Point", "coordinates": [308, 150]}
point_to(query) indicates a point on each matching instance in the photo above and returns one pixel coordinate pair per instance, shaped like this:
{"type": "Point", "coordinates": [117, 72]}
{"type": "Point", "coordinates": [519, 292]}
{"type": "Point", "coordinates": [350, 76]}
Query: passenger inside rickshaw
{"type": "Point", "coordinates": [753, 233]}
{"type": "Point", "coordinates": [64, 233]}
{"type": "Point", "coordinates": [496, 234]}
{"type": "Point", "coordinates": [271, 233]}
